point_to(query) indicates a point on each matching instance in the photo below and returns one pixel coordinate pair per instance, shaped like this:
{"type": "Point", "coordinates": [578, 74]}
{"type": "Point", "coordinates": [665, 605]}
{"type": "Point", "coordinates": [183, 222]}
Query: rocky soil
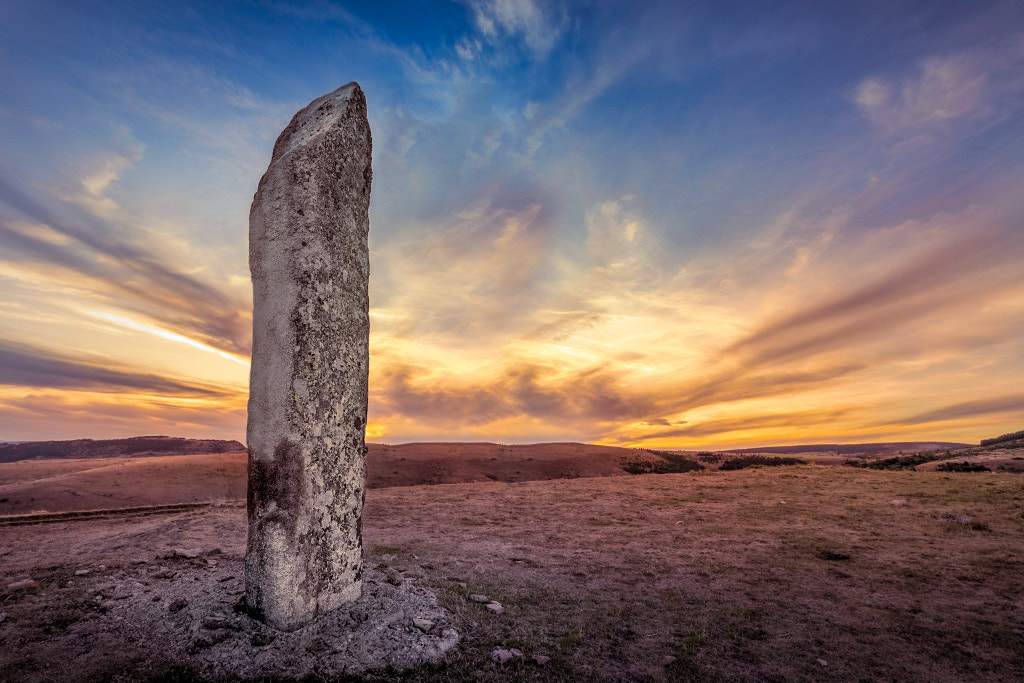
{"type": "Point", "coordinates": [185, 609]}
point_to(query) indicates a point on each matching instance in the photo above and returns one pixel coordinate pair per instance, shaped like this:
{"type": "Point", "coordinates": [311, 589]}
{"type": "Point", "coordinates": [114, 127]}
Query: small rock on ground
{"type": "Point", "coordinates": [479, 598]}
{"type": "Point", "coordinates": [495, 608]}
{"type": "Point", "coordinates": [541, 659]}
{"type": "Point", "coordinates": [501, 655]}
{"type": "Point", "coordinates": [22, 584]}
{"type": "Point", "coordinates": [822, 662]}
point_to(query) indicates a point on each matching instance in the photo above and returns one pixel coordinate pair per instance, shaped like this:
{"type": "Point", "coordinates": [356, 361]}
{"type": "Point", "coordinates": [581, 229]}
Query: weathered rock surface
{"type": "Point", "coordinates": [308, 384]}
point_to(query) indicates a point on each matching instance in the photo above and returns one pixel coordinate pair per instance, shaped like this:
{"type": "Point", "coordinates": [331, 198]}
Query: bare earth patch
{"type": "Point", "coordinates": [805, 573]}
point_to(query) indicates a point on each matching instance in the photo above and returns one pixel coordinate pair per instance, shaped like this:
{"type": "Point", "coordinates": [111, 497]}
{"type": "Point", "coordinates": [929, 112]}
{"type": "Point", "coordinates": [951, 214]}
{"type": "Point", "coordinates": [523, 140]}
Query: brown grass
{"type": "Point", "coordinates": [727, 572]}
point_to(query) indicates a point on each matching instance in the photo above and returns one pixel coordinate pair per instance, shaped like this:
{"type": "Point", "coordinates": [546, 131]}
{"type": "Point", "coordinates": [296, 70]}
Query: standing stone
{"type": "Point", "coordinates": [310, 358]}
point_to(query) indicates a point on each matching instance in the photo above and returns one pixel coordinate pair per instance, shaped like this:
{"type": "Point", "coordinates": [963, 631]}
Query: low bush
{"type": "Point", "coordinates": [1013, 436]}
{"type": "Point", "coordinates": [744, 461]}
{"type": "Point", "coordinates": [962, 466]}
{"type": "Point", "coordinates": [668, 463]}
{"type": "Point", "coordinates": [903, 462]}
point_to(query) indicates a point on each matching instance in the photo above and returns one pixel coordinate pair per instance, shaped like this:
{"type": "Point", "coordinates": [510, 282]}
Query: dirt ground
{"type": "Point", "coordinates": [806, 573]}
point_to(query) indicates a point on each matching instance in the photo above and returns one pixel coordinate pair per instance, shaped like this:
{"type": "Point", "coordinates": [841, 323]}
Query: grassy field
{"type": "Point", "coordinates": [804, 573]}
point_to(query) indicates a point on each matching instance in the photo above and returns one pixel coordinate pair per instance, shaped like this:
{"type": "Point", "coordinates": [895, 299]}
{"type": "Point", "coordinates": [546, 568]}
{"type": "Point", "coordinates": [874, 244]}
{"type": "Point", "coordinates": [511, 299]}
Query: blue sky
{"type": "Point", "coordinates": [656, 223]}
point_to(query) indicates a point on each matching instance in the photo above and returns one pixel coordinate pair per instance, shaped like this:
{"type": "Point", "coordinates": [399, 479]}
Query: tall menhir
{"type": "Point", "coordinates": [310, 358]}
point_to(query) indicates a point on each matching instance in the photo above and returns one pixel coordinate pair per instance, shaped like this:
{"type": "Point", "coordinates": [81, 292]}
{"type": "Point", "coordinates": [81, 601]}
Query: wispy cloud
{"type": "Point", "coordinates": [61, 414]}
{"type": "Point", "coordinates": [149, 284]}
{"type": "Point", "coordinates": [538, 26]}
{"type": "Point", "coordinates": [725, 428]}
{"type": "Point", "coordinates": [1010, 403]}
{"type": "Point", "coordinates": [33, 366]}
{"type": "Point", "coordinates": [970, 84]}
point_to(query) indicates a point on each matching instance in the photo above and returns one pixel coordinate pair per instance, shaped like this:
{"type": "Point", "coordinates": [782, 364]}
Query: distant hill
{"type": "Point", "coordinates": [887, 448]}
{"type": "Point", "coordinates": [61, 484]}
{"type": "Point", "coordinates": [412, 464]}
{"type": "Point", "coordinates": [114, 448]}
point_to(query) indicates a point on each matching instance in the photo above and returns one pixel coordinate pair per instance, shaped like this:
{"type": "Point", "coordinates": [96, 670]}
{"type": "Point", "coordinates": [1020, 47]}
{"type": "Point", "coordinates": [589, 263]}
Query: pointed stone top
{"type": "Point", "coordinates": [318, 116]}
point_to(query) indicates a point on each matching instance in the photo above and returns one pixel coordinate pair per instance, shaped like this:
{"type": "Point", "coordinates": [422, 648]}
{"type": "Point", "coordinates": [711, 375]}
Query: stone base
{"type": "Point", "coordinates": [202, 624]}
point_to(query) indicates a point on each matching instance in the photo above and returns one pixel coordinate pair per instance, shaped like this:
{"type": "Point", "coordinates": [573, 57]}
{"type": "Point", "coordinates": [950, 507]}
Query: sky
{"type": "Point", "coordinates": [659, 224]}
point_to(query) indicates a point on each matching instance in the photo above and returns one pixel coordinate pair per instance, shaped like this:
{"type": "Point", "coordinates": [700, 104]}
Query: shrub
{"type": "Point", "coordinates": [961, 522]}
{"type": "Point", "coordinates": [963, 466]}
{"type": "Point", "coordinates": [667, 463]}
{"type": "Point", "coordinates": [744, 461]}
{"type": "Point", "coordinates": [904, 462]}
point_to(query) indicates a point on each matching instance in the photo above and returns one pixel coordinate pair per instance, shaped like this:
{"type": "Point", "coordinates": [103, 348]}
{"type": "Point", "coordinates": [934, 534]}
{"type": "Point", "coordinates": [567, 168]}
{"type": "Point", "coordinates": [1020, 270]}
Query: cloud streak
{"type": "Point", "coordinates": [35, 367]}
{"type": "Point", "coordinates": [1011, 403]}
{"type": "Point", "coordinates": [153, 286]}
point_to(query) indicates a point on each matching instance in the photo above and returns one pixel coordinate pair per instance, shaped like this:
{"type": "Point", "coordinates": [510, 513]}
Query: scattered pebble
{"type": "Point", "coordinates": [502, 655]}
{"type": "Point", "coordinates": [318, 645]}
{"type": "Point", "coordinates": [394, 578]}
{"type": "Point", "coordinates": [178, 605]}
{"type": "Point", "coordinates": [667, 659]}
{"type": "Point", "coordinates": [822, 662]}
{"type": "Point", "coordinates": [495, 607]}
{"type": "Point", "coordinates": [449, 639]}
{"type": "Point", "coordinates": [479, 598]}
{"type": "Point", "coordinates": [541, 659]}
{"type": "Point", "coordinates": [82, 572]}
{"type": "Point", "coordinates": [22, 585]}
{"type": "Point", "coordinates": [3, 617]}
{"type": "Point", "coordinates": [215, 622]}
{"type": "Point", "coordinates": [393, 618]}
{"type": "Point", "coordinates": [898, 503]}
{"type": "Point", "coordinates": [423, 624]}
{"type": "Point", "coordinates": [262, 639]}
{"type": "Point", "coordinates": [185, 552]}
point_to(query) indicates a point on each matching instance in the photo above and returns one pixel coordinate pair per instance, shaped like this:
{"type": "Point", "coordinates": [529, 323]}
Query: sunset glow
{"type": "Point", "coordinates": [629, 224]}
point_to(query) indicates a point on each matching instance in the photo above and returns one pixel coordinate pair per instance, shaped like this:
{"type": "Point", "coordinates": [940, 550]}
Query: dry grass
{"type": "Point", "coordinates": [727, 572]}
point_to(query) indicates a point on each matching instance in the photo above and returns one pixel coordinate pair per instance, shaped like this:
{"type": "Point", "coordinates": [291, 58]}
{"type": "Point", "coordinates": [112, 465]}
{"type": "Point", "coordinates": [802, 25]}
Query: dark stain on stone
{"type": "Point", "coordinates": [277, 480]}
